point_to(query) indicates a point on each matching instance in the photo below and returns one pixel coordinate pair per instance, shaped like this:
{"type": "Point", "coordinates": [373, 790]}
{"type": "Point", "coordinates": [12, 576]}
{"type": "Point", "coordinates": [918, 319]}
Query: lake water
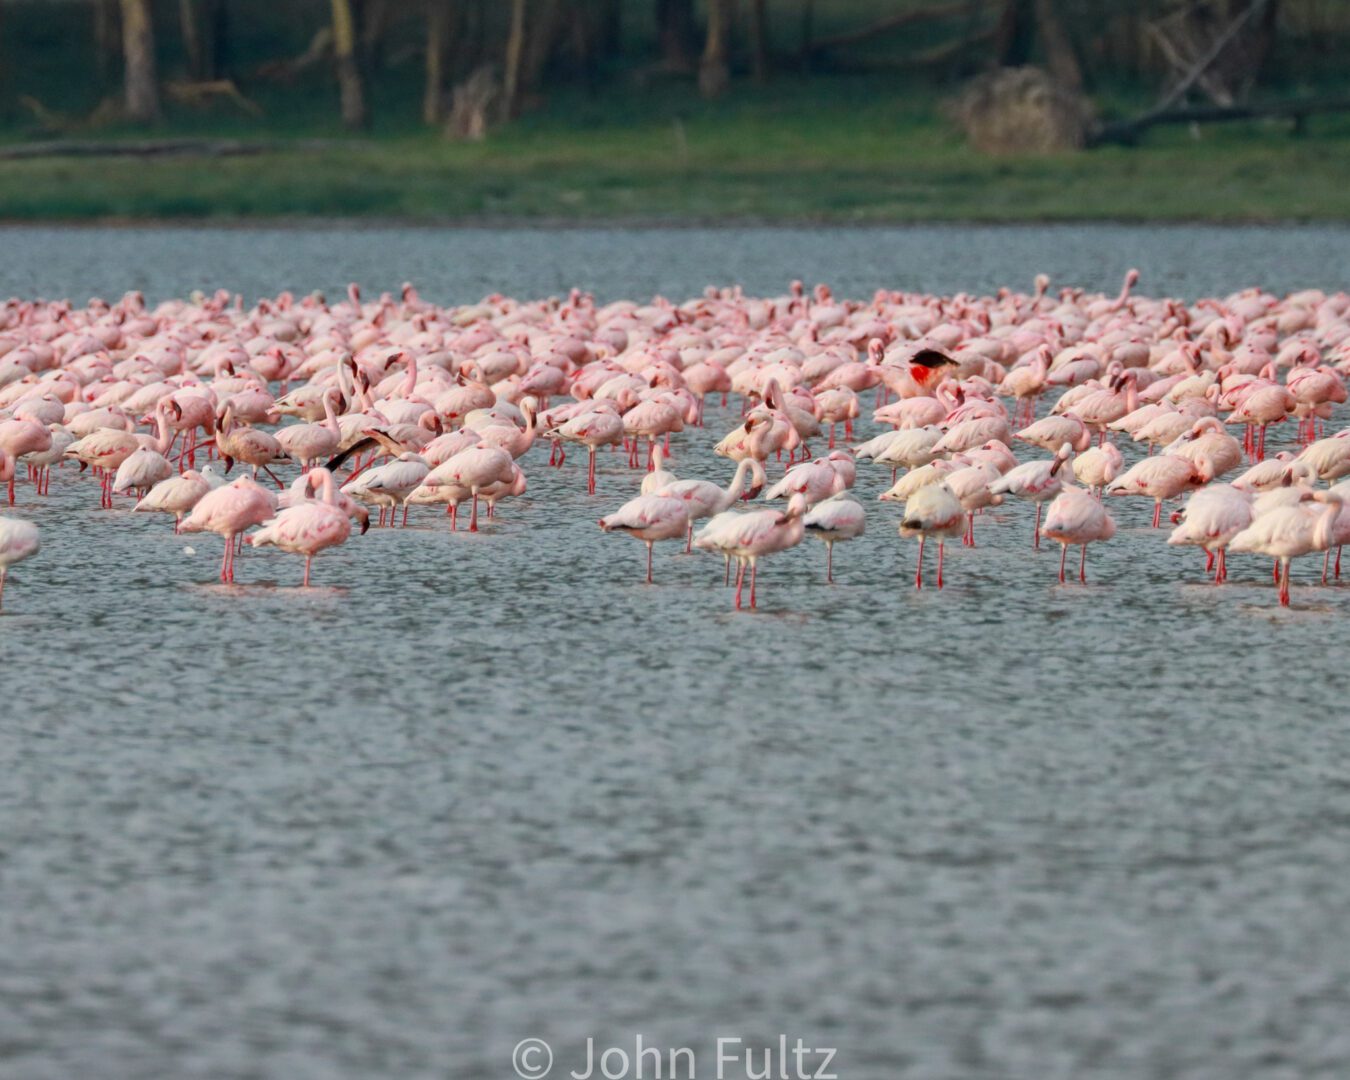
{"type": "Point", "coordinates": [479, 788]}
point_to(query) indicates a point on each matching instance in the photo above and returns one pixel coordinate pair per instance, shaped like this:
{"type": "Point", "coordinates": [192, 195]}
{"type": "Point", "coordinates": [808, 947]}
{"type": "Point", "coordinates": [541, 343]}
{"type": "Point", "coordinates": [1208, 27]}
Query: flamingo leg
{"type": "Point", "coordinates": [1063, 551]}
{"type": "Point", "coordinates": [918, 574]}
{"type": "Point", "coordinates": [473, 516]}
{"type": "Point", "coordinates": [308, 560]}
{"type": "Point", "coordinates": [829, 562]}
{"type": "Point", "coordinates": [3, 571]}
{"type": "Point", "coordinates": [1326, 564]}
{"type": "Point", "coordinates": [590, 473]}
{"type": "Point", "coordinates": [1338, 563]}
{"type": "Point", "coordinates": [1082, 566]}
{"type": "Point", "coordinates": [649, 562]}
{"type": "Point", "coordinates": [1157, 512]}
{"type": "Point", "coordinates": [941, 546]}
{"type": "Point", "coordinates": [1284, 585]}
{"type": "Point", "coordinates": [1036, 537]}
{"type": "Point", "coordinates": [726, 573]}
{"type": "Point", "coordinates": [689, 539]}
{"type": "Point", "coordinates": [754, 572]}
{"type": "Point", "coordinates": [740, 580]}
{"type": "Point", "coordinates": [405, 514]}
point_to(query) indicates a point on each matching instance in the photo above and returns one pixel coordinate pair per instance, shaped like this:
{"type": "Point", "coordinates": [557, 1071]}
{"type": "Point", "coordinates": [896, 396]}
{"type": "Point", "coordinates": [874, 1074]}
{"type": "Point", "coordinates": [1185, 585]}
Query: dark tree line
{"type": "Point", "coordinates": [485, 59]}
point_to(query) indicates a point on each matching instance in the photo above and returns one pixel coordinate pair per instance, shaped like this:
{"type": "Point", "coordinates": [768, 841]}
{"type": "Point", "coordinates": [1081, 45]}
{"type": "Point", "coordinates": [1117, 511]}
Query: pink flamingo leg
{"type": "Point", "coordinates": [829, 562]}
{"type": "Point", "coordinates": [754, 572]}
{"type": "Point", "coordinates": [590, 474]}
{"type": "Point", "coordinates": [473, 516]}
{"type": "Point", "coordinates": [1036, 537]}
{"type": "Point", "coordinates": [1063, 551]}
{"type": "Point", "coordinates": [740, 580]}
{"type": "Point", "coordinates": [308, 559]}
{"type": "Point", "coordinates": [941, 546]}
{"type": "Point", "coordinates": [918, 574]}
{"type": "Point", "coordinates": [1082, 566]}
{"type": "Point", "coordinates": [649, 562]}
{"type": "Point", "coordinates": [1157, 512]}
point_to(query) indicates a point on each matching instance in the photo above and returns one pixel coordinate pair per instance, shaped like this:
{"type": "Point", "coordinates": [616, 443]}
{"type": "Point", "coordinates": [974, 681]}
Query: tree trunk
{"type": "Point", "coordinates": [759, 41]}
{"type": "Point", "coordinates": [675, 33]}
{"type": "Point", "coordinates": [190, 22]}
{"type": "Point", "coordinates": [138, 48]}
{"type": "Point", "coordinates": [438, 33]}
{"type": "Point", "coordinates": [714, 72]}
{"type": "Point", "coordinates": [1060, 57]}
{"type": "Point", "coordinates": [1012, 42]}
{"type": "Point", "coordinates": [515, 59]}
{"type": "Point", "coordinates": [348, 69]}
{"type": "Point", "coordinates": [375, 17]}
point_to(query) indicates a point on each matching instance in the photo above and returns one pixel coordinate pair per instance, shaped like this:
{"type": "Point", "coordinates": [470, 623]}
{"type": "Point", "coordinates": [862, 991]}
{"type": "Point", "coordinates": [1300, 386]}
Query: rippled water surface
{"type": "Point", "coordinates": [478, 788]}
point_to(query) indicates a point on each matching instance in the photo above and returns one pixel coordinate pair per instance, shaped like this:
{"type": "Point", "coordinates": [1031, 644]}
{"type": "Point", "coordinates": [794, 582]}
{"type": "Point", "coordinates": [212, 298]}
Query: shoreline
{"type": "Point", "coordinates": [518, 223]}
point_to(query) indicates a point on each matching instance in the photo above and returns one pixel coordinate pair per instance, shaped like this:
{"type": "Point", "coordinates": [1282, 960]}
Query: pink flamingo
{"type": "Point", "coordinates": [650, 518]}
{"type": "Point", "coordinates": [1077, 517]}
{"type": "Point", "coordinates": [308, 444]}
{"type": "Point", "coordinates": [308, 527]}
{"type": "Point", "coordinates": [933, 510]}
{"type": "Point", "coordinates": [837, 518]}
{"type": "Point", "coordinates": [176, 495]}
{"type": "Point", "coordinates": [1287, 532]}
{"type": "Point", "coordinates": [228, 511]}
{"type": "Point", "coordinates": [1161, 477]}
{"type": "Point", "coordinates": [749, 537]}
{"type": "Point", "coordinates": [18, 541]}
{"type": "Point", "coordinates": [1211, 518]}
{"type": "Point", "coordinates": [1037, 481]}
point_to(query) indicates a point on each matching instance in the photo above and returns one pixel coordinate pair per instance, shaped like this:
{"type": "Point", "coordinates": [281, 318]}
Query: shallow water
{"type": "Point", "coordinates": [478, 788]}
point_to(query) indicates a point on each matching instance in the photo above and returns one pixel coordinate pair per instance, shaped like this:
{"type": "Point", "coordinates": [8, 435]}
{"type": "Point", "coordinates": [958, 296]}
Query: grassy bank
{"type": "Point", "coordinates": [868, 151]}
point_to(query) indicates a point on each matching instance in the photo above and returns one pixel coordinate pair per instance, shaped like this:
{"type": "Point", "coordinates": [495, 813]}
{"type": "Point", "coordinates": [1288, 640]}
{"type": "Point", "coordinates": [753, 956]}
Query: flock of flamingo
{"type": "Point", "coordinates": [395, 402]}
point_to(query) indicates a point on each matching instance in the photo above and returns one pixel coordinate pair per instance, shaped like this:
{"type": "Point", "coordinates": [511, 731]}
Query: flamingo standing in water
{"type": "Point", "coordinates": [749, 537]}
{"type": "Point", "coordinates": [650, 518]}
{"type": "Point", "coordinates": [837, 518]}
{"type": "Point", "coordinates": [18, 541]}
{"type": "Point", "coordinates": [228, 511]}
{"type": "Point", "coordinates": [1077, 517]}
{"type": "Point", "coordinates": [1211, 518]}
{"type": "Point", "coordinates": [1039, 481]}
{"type": "Point", "coordinates": [1290, 531]}
{"type": "Point", "coordinates": [1163, 477]}
{"type": "Point", "coordinates": [933, 510]}
{"type": "Point", "coordinates": [703, 498]}
{"type": "Point", "coordinates": [176, 495]}
{"type": "Point", "coordinates": [308, 528]}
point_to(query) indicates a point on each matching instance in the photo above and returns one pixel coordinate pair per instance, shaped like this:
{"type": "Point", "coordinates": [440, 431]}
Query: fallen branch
{"type": "Point", "coordinates": [1127, 131]}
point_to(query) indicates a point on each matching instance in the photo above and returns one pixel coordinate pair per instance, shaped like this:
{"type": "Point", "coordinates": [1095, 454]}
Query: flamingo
{"type": "Point", "coordinates": [650, 518]}
{"type": "Point", "coordinates": [1077, 517]}
{"type": "Point", "coordinates": [229, 511]}
{"type": "Point", "coordinates": [1211, 518]}
{"type": "Point", "coordinates": [308, 527]}
{"type": "Point", "coordinates": [1161, 477]}
{"type": "Point", "coordinates": [749, 537]}
{"type": "Point", "coordinates": [704, 499]}
{"type": "Point", "coordinates": [836, 518]}
{"type": "Point", "coordinates": [1037, 481]}
{"type": "Point", "coordinates": [1287, 532]}
{"type": "Point", "coordinates": [175, 495]}
{"type": "Point", "coordinates": [933, 510]}
{"type": "Point", "coordinates": [18, 541]}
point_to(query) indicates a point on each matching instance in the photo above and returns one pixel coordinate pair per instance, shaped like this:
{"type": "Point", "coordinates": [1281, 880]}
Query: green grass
{"type": "Point", "coordinates": [837, 149]}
